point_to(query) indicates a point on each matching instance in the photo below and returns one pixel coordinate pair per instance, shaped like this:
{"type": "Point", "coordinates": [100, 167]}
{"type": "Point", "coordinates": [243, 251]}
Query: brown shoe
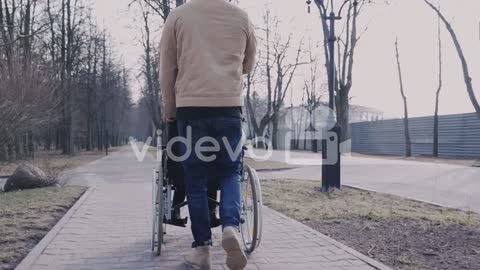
{"type": "Point", "coordinates": [200, 259]}
{"type": "Point", "coordinates": [236, 258]}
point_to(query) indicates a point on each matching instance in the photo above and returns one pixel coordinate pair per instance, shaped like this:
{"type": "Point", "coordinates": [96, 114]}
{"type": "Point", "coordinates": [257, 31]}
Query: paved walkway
{"type": "Point", "coordinates": [110, 227]}
{"type": "Point", "coordinates": [455, 186]}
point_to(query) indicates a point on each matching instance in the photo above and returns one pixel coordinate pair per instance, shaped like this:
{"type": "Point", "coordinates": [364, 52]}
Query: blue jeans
{"type": "Point", "coordinates": [227, 166]}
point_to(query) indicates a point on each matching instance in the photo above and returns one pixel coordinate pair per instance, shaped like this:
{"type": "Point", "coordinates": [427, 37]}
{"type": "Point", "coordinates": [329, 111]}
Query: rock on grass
{"type": "Point", "coordinates": [26, 176]}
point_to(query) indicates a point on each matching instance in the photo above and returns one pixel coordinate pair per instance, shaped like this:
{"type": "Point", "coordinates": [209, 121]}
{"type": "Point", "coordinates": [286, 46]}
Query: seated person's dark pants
{"type": "Point", "coordinates": [205, 126]}
{"type": "Point", "coordinates": [175, 171]}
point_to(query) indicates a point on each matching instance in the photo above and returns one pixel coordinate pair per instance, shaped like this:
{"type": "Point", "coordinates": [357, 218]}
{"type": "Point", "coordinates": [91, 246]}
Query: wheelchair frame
{"type": "Point", "coordinates": [251, 213]}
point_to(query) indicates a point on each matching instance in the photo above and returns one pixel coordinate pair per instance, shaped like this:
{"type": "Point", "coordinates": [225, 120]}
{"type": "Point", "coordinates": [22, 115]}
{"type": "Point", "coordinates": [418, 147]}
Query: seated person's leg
{"type": "Point", "coordinates": [178, 197]}
{"type": "Point", "coordinates": [176, 175]}
{"type": "Point", "coordinates": [213, 187]}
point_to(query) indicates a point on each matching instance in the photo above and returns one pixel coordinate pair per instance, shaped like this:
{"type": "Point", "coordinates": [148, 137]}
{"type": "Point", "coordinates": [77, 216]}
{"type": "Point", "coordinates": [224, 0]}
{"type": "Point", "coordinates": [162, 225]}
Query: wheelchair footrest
{"type": "Point", "coordinates": [177, 222]}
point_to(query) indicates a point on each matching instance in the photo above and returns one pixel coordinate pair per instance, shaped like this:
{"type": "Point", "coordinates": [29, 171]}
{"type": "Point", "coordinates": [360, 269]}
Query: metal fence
{"type": "Point", "coordinates": [459, 136]}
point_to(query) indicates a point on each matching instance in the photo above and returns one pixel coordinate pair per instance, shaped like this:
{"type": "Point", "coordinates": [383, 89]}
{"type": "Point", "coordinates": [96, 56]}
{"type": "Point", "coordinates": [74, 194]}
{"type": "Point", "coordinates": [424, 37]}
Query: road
{"type": "Point", "coordinates": [454, 186]}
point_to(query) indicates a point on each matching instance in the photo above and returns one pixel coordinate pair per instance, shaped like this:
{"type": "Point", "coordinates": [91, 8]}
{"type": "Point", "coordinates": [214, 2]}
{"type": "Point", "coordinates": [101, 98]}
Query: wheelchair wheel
{"type": "Point", "coordinates": [251, 210]}
{"type": "Point", "coordinates": [158, 208]}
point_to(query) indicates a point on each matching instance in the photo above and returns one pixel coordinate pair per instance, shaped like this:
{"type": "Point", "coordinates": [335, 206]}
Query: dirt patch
{"type": "Point", "coordinates": [27, 216]}
{"type": "Point", "coordinates": [401, 233]}
{"type": "Point", "coordinates": [405, 243]}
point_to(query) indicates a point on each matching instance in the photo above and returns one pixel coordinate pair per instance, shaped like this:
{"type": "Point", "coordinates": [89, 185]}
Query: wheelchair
{"type": "Point", "coordinates": [165, 186]}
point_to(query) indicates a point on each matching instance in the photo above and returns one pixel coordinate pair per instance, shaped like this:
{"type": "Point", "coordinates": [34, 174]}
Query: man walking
{"type": "Point", "coordinates": [206, 47]}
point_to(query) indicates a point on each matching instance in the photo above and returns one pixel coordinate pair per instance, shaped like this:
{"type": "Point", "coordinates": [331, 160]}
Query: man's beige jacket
{"type": "Point", "coordinates": [206, 47]}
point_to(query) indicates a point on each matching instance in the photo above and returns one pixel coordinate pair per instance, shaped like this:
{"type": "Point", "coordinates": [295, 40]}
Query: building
{"type": "Point", "coordinates": [297, 124]}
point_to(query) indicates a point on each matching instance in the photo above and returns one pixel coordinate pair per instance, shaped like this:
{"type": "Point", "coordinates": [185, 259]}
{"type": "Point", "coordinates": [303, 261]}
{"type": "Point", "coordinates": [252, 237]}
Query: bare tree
{"type": "Point", "coordinates": [18, 78]}
{"type": "Point", "coordinates": [408, 144]}
{"type": "Point", "coordinates": [312, 89]}
{"type": "Point", "coordinates": [151, 89]}
{"type": "Point", "coordinates": [285, 71]}
{"type": "Point", "coordinates": [437, 96]}
{"type": "Point", "coordinates": [260, 119]}
{"type": "Point", "coordinates": [347, 42]}
{"type": "Point", "coordinates": [461, 55]}
{"type": "Point", "coordinates": [344, 65]}
{"type": "Point", "coordinates": [313, 101]}
{"type": "Point", "coordinates": [252, 102]}
{"type": "Point", "coordinates": [278, 64]}
{"type": "Point", "coordinates": [150, 59]}
{"type": "Point", "coordinates": [27, 100]}
{"type": "Point", "coordinates": [50, 55]}
{"type": "Point", "coordinates": [160, 7]}
{"type": "Point", "coordinates": [299, 123]}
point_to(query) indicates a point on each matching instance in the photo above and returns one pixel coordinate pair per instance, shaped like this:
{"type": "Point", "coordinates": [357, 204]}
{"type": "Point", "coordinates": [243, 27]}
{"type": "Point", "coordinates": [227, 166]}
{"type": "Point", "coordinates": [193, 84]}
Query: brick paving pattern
{"type": "Point", "coordinates": [111, 229]}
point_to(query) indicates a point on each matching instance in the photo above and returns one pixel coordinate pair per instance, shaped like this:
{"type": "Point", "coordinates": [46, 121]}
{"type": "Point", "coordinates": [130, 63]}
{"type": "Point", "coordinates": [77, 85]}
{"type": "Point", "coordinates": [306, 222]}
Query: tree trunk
{"type": "Point", "coordinates": [99, 134]}
{"type": "Point", "coordinates": [88, 143]}
{"type": "Point", "coordinates": [58, 138]}
{"type": "Point", "coordinates": [274, 135]}
{"type": "Point", "coordinates": [31, 144]}
{"type": "Point", "coordinates": [63, 41]}
{"type": "Point", "coordinates": [11, 151]}
{"type": "Point", "coordinates": [408, 144]}
{"type": "Point", "coordinates": [3, 153]}
{"type": "Point", "coordinates": [259, 133]}
{"type": "Point", "coordinates": [27, 38]}
{"type": "Point", "coordinates": [458, 47]}
{"type": "Point", "coordinates": [69, 67]}
{"type": "Point", "coordinates": [437, 96]}
{"type": "Point", "coordinates": [343, 117]}
{"type": "Point", "coordinates": [48, 137]}
{"type": "Point", "coordinates": [18, 149]}
{"type": "Point", "coordinates": [435, 130]}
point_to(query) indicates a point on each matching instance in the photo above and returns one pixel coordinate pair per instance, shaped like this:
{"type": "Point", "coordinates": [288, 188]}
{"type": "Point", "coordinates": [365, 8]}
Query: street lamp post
{"type": "Point", "coordinates": [331, 174]}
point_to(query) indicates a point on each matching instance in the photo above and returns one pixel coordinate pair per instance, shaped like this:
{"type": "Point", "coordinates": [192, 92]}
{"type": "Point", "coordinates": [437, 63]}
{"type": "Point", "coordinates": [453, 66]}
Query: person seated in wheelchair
{"type": "Point", "coordinates": [176, 175]}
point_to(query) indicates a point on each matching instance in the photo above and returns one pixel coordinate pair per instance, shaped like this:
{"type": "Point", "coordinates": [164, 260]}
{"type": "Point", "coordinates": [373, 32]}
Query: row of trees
{"type": "Point", "coordinates": [280, 58]}
{"type": "Point", "coordinates": [466, 76]}
{"type": "Point", "coordinates": [280, 61]}
{"type": "Point", "coordinates": [151, 99]}
{"type": "Point", "coordinates": [61, 85]}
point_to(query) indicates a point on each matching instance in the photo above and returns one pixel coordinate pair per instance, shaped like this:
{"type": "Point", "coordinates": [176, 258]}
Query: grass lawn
{"type": "Point", "coordinates": [401, 233]}
{"type": "Point", "coordinates": [26, 217]}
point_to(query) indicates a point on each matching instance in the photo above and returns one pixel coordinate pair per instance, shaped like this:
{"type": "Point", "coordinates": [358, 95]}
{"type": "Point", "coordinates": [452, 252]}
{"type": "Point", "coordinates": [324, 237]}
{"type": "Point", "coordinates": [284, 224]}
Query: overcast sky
{"type": "Point", "coordinates": [375, 75]}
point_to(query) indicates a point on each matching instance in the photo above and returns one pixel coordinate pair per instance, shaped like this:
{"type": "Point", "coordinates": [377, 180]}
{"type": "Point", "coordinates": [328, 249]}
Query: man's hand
{"type": "Point", "coordinates": [171, 120]}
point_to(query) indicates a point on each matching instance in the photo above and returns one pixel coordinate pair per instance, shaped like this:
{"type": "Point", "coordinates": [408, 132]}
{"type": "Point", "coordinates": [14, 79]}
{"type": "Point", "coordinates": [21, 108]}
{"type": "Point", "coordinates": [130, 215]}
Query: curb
{"type": "Point", "coordinates": [347, 249]}
{"type": "Point", "coordinates": [33, 255]}
{"type": "Point", "coordinates": [274, 170]}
